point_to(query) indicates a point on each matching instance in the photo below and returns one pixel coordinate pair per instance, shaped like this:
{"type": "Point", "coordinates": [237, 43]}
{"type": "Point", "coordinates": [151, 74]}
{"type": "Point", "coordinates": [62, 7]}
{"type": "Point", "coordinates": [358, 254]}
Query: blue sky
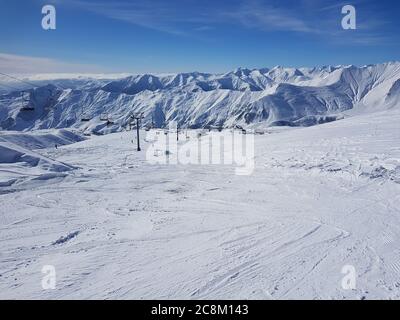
{"type": "Point", "coordinates": [187, 35]}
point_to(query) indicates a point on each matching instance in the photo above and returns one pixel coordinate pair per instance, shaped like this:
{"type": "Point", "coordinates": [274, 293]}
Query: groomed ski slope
{"type": "Point", "coordinates": [116, 226]}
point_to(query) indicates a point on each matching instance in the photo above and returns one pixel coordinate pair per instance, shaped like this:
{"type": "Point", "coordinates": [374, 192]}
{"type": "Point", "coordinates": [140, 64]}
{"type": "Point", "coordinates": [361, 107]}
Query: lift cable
{"type": "Point", "coordinates": [27, 82]}
{"type": "Point", "coordinates": [15, 78]}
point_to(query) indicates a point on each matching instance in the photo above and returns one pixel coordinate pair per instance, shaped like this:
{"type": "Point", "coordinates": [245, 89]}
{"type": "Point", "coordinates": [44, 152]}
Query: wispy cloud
{"type": "Point", "coordinates": [255, 14]}
{"type": "Point", "coordinates": [157, 15]}
{"type": "Point", "coordinates": [182, 18]}
{"type": "Point", "coordinates": [17, 64]}
{"type": "Point", "coordinates": [172, 17]}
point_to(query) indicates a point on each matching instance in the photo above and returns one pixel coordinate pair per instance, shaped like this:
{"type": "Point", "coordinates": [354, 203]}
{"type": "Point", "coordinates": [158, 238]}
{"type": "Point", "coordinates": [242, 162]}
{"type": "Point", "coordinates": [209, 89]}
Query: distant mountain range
{"type": "Point", "coordinates": [257, 97]}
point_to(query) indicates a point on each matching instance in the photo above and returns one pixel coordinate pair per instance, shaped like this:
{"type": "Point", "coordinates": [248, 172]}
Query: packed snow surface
{"type": "Point", "coordinates": [115, 226]}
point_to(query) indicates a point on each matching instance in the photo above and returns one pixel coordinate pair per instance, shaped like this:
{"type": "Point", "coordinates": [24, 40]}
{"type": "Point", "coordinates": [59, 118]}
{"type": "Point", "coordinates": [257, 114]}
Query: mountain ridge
{"type": "Point", "coordinates": [277, 96]}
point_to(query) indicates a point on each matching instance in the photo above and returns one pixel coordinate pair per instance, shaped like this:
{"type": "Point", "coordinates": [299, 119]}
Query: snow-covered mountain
{"type": "Point", "coordinates": [277, 96]}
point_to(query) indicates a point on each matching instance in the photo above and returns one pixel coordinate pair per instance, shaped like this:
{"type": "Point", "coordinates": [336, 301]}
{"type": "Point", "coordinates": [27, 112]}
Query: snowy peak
{"type": "Point", "coordinates": [241, 72]}
{"type": "Point", "coordinates": [134, 84]}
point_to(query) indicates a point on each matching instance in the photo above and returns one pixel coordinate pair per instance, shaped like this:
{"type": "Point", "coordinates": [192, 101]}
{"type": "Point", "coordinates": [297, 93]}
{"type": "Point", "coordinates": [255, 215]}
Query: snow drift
{"type": "Point", "coordinates": [11, 153]}
{"type": "Point", "coordinates": [21, 159]}
{"type": "Point", "coordinates": [41, 139]}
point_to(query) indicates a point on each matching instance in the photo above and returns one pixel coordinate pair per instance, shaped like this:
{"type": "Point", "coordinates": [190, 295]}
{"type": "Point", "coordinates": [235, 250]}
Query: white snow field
{"type": "Point", "coordinates": [115, 226]}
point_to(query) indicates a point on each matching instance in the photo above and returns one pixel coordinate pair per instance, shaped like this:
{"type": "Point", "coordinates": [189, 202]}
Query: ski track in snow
{"type": "Point", "coordinates": [320, 198]}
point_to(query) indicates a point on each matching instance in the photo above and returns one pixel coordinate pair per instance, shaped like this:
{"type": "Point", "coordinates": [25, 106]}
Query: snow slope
{"type": "Point", "coordinates": [277, 96]}
{"type": "Point", "coordinates": [320, 198]}
{"type": "Point", "coordinates": [20, 165]}
{"type": "Point", "coordinates": [41, 139]}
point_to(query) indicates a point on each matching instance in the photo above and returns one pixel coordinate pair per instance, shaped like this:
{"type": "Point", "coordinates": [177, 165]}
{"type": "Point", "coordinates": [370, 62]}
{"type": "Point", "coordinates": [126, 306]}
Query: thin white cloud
{"type": "Point", "coordinates": [156, 15]}
{"type": "Point", "coordinates": [17, 64]}
{"type": "Point", "coordinates": [267, 17]}
{"type": "Point", "coordinates": [170, 18]}
{"type": "Point", "coordinates": [313, 17]}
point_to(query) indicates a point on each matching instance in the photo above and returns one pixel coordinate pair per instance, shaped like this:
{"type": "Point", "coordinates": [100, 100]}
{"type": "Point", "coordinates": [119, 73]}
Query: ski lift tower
{"type": "Point", "coordinates": [137, 117]}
